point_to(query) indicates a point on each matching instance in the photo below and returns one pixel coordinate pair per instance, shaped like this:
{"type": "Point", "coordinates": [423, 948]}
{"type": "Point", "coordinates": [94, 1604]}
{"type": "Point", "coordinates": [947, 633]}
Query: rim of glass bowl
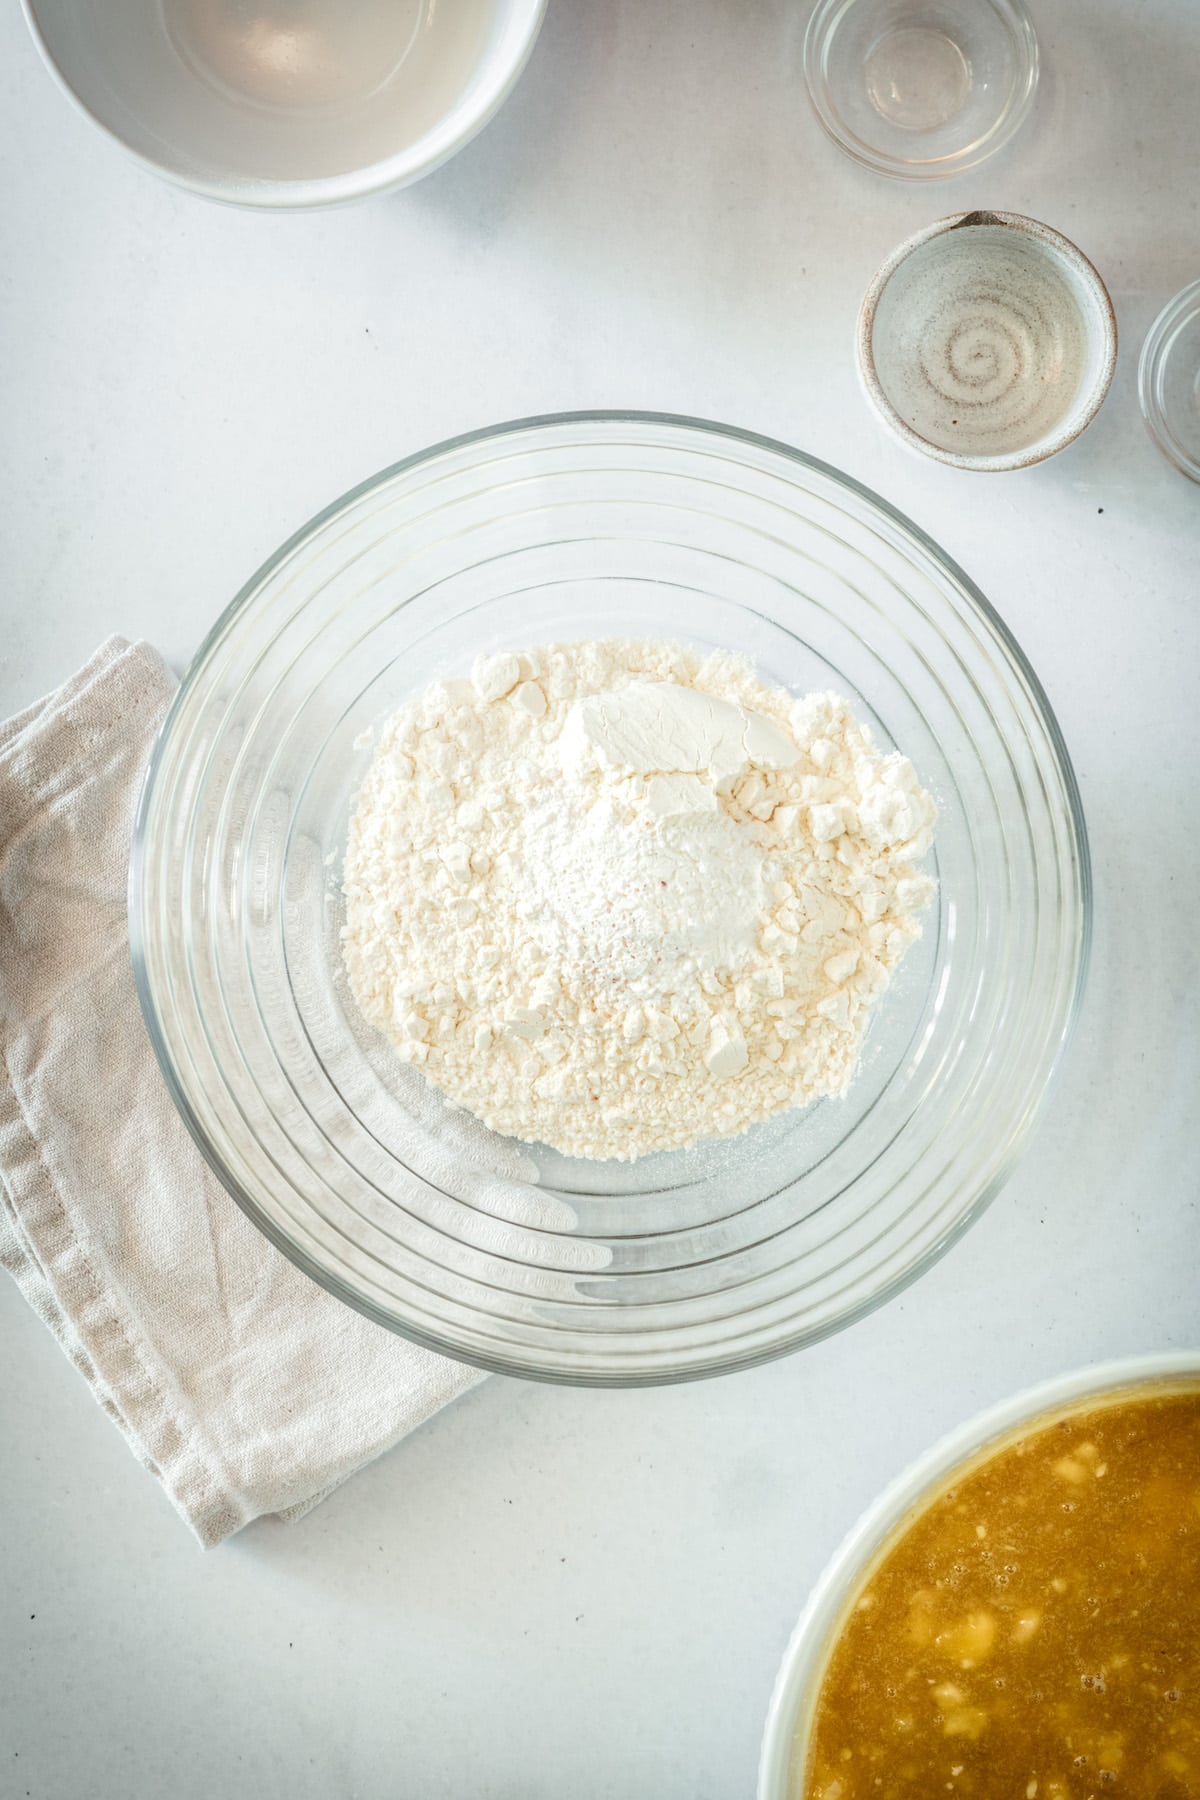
{"type": "Point", "coordinates": [1152, 367]}
{"type": "Point", "coordinates": [819, 37]}
{"type": "Point", "coordinates": [727, 1355]}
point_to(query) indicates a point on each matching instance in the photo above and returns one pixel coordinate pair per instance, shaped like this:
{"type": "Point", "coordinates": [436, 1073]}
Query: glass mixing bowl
{"type": "Point", "coordinates": [511, 1256]}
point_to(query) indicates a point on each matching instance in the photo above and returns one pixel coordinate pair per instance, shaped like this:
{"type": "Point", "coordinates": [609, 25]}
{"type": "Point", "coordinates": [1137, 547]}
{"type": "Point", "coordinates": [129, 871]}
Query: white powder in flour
{"type": "Point", "coordinates": [643, 905]}
{"type": "Point", "coordinates": [616, 897]}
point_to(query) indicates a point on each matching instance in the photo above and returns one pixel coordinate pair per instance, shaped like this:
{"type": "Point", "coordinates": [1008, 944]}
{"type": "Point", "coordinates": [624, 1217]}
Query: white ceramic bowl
{"type": "Point", "coordinates": [287, 103]}
{"type": "Point", "coordinates": [987, 340]}
{"type": "Point", "coordinates": [797, 1686]}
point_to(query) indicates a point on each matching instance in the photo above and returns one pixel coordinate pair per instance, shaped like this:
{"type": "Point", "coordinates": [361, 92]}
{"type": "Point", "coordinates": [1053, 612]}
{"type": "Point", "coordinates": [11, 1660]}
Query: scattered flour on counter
{"type": "Point", "coordinates": [616, 897]}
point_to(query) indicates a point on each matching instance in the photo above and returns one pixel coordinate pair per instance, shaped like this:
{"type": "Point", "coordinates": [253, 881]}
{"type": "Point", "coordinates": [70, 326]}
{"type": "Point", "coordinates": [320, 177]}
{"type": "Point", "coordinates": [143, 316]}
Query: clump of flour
{"type": "Point", "coordinates": [617, 897]}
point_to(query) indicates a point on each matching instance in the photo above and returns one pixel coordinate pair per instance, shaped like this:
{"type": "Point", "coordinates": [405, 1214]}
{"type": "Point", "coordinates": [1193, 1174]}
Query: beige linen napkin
{"type": "Point", "coordinates": [241, 1384]}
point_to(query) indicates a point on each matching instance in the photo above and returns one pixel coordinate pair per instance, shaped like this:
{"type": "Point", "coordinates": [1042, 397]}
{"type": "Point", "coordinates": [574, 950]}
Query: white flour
{"type": "Point", "coordinates": [615, 897]}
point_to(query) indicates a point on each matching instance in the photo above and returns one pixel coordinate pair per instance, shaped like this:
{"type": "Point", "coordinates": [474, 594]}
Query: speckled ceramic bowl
{"type": "Point", "coordinates": [988, 341]}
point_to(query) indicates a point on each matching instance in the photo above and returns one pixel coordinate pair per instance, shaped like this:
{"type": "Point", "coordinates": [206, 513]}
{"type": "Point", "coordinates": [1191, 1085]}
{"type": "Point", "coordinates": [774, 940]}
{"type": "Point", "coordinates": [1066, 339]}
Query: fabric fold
{"type": "Point", "coordinates": [243, 1386]}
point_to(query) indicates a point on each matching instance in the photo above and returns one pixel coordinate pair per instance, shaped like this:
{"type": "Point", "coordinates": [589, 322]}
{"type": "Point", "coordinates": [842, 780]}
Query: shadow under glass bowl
{"type": "Point", "coordinates": [921, 89]}
{"type": "Point", "coordinates": [510, 1255]}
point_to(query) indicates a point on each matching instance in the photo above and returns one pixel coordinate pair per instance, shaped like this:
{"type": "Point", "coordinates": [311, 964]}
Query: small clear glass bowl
{"type": "Point", "coordinates": [509, 1255]}
{"type": "Point", "coordinates": [921, 89]}
{"type": "Point", "coordinates": [1169, 381]}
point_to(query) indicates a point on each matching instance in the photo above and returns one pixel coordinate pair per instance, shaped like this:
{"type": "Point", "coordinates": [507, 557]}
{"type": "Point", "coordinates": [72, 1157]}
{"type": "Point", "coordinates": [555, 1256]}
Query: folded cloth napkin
{"type": "Point", "coordinates": [241, 1384]}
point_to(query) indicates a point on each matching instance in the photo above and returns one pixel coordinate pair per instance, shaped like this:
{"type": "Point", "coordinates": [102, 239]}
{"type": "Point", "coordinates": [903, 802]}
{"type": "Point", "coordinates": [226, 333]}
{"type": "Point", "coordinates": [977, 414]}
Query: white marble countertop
{"type": "Point", "coordinates": [547, 1592]}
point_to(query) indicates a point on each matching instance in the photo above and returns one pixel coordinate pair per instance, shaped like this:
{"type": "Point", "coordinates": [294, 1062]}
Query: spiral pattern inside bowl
{"type": "Point", "coordinates": [1169, 381]}
{"type": "Point", "coordinates": [520, 1259]}
{"type": "Point", "coordinates": [985, 340]}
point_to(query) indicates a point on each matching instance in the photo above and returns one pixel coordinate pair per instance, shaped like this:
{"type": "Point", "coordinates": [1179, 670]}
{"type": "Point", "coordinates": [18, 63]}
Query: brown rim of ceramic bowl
{"type": "Point", "coordinates": [1081, 415]}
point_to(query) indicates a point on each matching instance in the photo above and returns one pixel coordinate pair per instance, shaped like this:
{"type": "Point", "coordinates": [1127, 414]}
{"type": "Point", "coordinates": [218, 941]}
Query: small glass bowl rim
{"type": "Point", "coordinates": [820, 32]}
{"type": "Point", "coordinates": [1156, 350]}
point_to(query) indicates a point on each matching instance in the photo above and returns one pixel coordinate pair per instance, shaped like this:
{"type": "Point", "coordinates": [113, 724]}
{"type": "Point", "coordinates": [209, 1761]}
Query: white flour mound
{"type": "Point", "coordinates": [616, 897]}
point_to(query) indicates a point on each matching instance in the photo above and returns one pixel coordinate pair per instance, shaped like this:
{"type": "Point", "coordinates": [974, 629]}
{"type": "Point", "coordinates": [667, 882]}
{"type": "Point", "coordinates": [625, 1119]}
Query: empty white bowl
{"type": "Point", "coordinates": [287, 103]}
{"type": "Point", "coordinates": [987, 340]}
